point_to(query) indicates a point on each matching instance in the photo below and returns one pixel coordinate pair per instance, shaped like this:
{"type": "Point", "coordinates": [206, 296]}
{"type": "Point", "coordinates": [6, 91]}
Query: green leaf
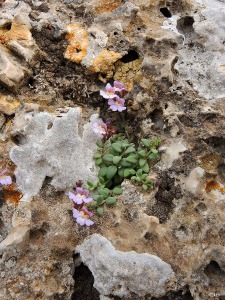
{"type": "Point", "coordinates": [146, 143]}
{"type": "Point", "coordinates": [139, 172]}
{"type": "Point", "coordinates": [102, 171]}
{"type": "Point", "coordinates": [108, 157]}
{"type": "Point", "coordinates": [117, 191]}
{"type": "Point", "coordinates": [132, 159]}
{"type": "Point", "coordinates": [121, 172]}
{"type": "Point", "coordinates": [97, 155]}
{"type": "Point", "coordinates": [133, 178]}
{"type": "Point", "coordinates": [98, 198]}
{"type": "Point", "coordinates": [154, 151]}
{"type": "Point", "coordinates": [152, 156]}
{"type": "Point", "coordinates": [90, 183]}
{"type": "Point", "coordinates": [129, 150]}
{"type": "Point", "coordinates": [124, 144]}
{"type": "Point", "coordinates": [100, 211]}
{"type": "Point", "coordinates": [128, 172]}
{"type": "Point", "coordinates": [104, 192]}
{"type": "Point", "coordinates": [144, 176]}
{"type": "Point", "coordinates": [101, 180]}
{"type": "Point", "coordinates": [142, 153]}
{"type": "Point", "coordinates": [98, 161]}
{"type": "Point", "coordinates": [116, 159]}
{"type": "Point", "coordinates": [114, 152]}
{"type": "Point", "coordinates": [110, 201]}
{"type": "Point", "coordinates": [145, 187]}
{"type": "Point", "coordinates": [117, 147]}
{"type": "Point", "coordinates": [99, 144]}
{"type": "Point", "coordinates": [142, 162]}
{"type": "Point", "coordinates": [145, 168]}
{"type": "Point", "coordinates": [111, 172]}
{"type": "Point", "coordinates": [125, 163]}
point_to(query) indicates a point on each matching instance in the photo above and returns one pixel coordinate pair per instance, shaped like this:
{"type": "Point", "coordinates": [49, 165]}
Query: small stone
{"type": "Point", "coordinates": [8, 105]}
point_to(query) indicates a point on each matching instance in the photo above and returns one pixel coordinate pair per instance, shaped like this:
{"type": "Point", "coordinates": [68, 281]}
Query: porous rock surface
{"type": "Point", "coordinates": [56, 147]}
{"type": "Point", "coordinates": [169, 54]}
{"type": "Point", "coordinates": [124, 273]}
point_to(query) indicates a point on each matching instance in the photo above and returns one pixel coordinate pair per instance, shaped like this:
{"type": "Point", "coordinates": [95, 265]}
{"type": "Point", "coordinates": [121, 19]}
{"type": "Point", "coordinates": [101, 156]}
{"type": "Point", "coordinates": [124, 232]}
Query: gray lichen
{"type": "Point", "coordinates": [56, 147]}
{"type": "Point", "coordinates": [123, 273]}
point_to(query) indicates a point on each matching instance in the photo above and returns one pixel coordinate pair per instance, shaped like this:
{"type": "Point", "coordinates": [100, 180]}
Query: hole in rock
{"type": "Point", "coordinates": [7, 26]}
{"type": "Point", "coordinates": [1, 198]}
{"type": "Point", "coordinates": [83, 287]}
{"type": "Point", "coordinates": [217, 143]}
{"type": "Point", "coordinates": [18, 139]}
{"type": "Point", "coordinates": [214, 272]}
{"type": "Point", "coordinates": [185, 24]}
{"type": "Point", "coordinates": [157, 118]}
{"type": "Point", "coordinates": [179, 295]}
{"type": "Point", "coordinates": [50, 124]}
{"type": "Point", "coordinates": [47, 181]}
{"type": "Point", "coordinates": [130, 56]}
{"type": "Point", "coordinates": [201, 207]}
{"type": "Point", "coordinates": [165, 11]}
{"type": "Point", "coordinates": [115, 33]}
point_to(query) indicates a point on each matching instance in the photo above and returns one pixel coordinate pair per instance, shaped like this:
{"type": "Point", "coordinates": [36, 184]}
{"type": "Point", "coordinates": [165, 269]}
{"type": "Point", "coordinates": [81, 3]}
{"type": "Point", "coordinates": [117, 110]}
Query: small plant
{"type": "Point", "coordinates": [117, 158]}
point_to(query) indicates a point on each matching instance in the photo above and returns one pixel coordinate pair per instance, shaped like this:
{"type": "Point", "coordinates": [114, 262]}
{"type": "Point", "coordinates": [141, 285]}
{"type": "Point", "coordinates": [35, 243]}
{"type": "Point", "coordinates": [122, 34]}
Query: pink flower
{"type": "Point", "coordinates": [4, 180]}
{"type": "Point", "coordinates": [81, 196]}
{"type": "Point", "coordinates": [119, 87]}
{"type": "Point", "coordinates": [117, 104]}
{"type": "Point", "coordinates": [99, 127]}
{"type": "Point", "coordinates": [109, 92]}
{"type": "Point", "coordinates": [83, 216]}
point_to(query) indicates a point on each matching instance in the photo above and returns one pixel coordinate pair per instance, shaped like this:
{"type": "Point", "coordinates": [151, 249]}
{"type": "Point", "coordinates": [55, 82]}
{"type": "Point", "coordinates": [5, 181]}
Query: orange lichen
{"type": "Point", "coordinates": [104, 64]}
{"type": "Point", "coordinates": [78, 43]}
{"type": "Point", "coordinates": [222, 190]}
{"type": "Point", "coordinates": [16, 32]}
{"type": "Point", "coordinates": [12, 195]}
{"type": "Point", "coordinates": [212, 185]}
{"type": "Point", "coordinates": [107, 6]}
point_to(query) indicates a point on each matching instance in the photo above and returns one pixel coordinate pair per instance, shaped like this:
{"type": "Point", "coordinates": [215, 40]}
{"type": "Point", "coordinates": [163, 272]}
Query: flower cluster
{"type": "Point", "coordinates": [80, 212]}
{"type": "Point", "coordinates": [115, 95]}
{"type": "Point", "coordinates": [5, 180]}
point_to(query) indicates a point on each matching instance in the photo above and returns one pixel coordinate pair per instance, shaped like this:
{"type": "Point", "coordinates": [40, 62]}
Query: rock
{"type": "Point", "coordinates": [55, 147]}
{"type": "Point", "coordinates": [171, 153]}
{"type": "Point", "coordinates": [16, 44]}
{"type": "Point", "coordinates": [124, 273]}
{"type": "Point", "coordinates": [8, 105]}
{"type": "Point", "coordinates": [195, 181]}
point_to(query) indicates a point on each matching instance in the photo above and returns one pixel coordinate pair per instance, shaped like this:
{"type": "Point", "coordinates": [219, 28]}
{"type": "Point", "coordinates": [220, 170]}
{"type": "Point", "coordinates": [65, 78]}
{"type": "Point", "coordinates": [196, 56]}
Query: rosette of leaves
{"type": "Point", "coordinates": [118, 159]}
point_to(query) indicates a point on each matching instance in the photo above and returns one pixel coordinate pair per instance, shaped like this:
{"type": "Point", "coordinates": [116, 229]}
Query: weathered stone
{"type": "Point", "coordinates": [124, 273]}
{"type": "Point", "coordinates": [55, 147]}
{"type": "Point", "coordinates": [8, 105]}
{"type": "Point", "coordinates": [17, 43]}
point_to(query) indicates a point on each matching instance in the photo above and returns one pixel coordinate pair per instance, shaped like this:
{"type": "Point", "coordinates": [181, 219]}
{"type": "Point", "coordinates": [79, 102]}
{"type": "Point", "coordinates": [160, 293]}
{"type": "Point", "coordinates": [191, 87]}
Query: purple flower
{"type": "Point", "coordinates": [4, 180]}
{"type": "Point", "coordinates": [83, 216]}
{"type": "Point", "coordinates": [81, 196]}
{"type": "Point", "coordinates": [118, 86]}
{"type": "Point", "coordinates": [117, 104]}
{"type": "Point", "coordinates": [109, 92]}
{"type": "Point", "coordinates": [99, 127]}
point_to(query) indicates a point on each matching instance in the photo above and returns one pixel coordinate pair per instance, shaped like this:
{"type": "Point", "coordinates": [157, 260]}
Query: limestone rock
{"type": "Point", "coordinates": [8, 105]}
{"type": "Point", "coordinates": [55, 147]}
{"type": "Point", "coordinates": [16, 44]}
{"type": "Point", "coordinates": [123, 273]}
